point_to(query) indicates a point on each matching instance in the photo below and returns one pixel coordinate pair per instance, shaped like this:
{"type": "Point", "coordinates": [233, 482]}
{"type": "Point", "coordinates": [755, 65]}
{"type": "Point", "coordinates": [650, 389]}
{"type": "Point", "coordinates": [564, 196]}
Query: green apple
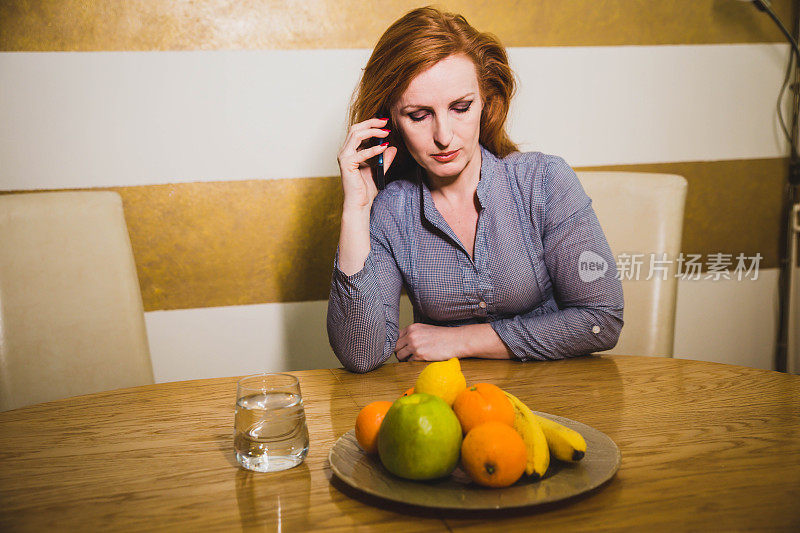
{"type": "Point", "coordinates": [420, 438]}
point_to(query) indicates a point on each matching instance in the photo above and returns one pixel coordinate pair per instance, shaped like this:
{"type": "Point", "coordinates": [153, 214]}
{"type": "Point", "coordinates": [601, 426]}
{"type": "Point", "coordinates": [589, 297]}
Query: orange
{"type": "Point", "coordinates": [409, 392]}
{"type": "Point", "coordinates": [493, 454]}
{"type": "Point", "coordinates": [481, 403]}
{"type": "Point", "coordinates": [368, 422]}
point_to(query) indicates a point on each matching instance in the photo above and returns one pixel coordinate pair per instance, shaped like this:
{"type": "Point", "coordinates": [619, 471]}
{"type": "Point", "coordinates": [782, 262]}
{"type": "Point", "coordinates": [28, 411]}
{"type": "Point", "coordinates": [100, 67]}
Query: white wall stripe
{"type": "Point", "coordinates": [91, 119]}
{"type": "Point", "coordinates": [238, 340]}
{"type": "Point", "coordinates": [650, 104]}
{"type": "Point", "coordinates": [729, 321]}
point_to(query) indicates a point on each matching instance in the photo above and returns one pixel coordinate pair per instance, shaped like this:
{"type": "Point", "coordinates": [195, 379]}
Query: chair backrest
{"type": "Point", "coordinates": [71, 318]}
{"type": "Point", "coordinates": [642, 217]}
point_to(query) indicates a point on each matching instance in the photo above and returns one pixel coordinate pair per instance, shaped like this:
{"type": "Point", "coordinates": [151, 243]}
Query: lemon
{"type": "Point", "coordinates": [443, 379]}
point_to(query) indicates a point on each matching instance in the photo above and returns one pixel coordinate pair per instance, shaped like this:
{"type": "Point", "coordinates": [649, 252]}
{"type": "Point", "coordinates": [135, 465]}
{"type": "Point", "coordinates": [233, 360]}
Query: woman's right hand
{"type": "Point", "coordinates": [357, 178]}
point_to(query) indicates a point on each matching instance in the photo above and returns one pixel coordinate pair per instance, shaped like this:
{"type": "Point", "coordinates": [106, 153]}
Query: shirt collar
{"type": "Point", "coordinates": [489, 165]}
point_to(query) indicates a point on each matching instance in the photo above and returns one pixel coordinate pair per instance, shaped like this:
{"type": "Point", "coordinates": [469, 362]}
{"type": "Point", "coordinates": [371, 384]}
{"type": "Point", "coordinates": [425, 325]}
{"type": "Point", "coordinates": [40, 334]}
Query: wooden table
{"type": "Point", "coordinates": [704, 446]}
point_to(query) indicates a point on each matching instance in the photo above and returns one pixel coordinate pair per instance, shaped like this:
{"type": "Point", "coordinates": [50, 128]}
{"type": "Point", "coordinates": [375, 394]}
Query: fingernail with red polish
{"type": "Point", "coordinates": [384, 144]}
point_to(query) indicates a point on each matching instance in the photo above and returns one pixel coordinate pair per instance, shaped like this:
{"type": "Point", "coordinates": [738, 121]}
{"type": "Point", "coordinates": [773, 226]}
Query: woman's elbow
{"type": "Point", "coordinates": [358, 366]}
{"type": "Point", "coordinates": [358, 363]}
{"type": "Point", "coordinates": [608, 335]}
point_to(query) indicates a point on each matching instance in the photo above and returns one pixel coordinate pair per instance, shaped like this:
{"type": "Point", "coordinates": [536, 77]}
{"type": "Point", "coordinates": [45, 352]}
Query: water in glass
{"type": "Point", "coordinates": [270, 431]}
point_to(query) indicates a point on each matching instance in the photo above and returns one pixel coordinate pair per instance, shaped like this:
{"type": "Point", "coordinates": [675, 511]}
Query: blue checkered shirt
{"type": "Point", "coordinates": [535, 224]}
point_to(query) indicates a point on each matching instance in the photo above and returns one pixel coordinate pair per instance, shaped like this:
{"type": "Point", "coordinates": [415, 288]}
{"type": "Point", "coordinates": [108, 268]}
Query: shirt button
{"type": "Point", "coordinates": [596, 329]}
{"type": "Point", "coordinates": [482, 305]}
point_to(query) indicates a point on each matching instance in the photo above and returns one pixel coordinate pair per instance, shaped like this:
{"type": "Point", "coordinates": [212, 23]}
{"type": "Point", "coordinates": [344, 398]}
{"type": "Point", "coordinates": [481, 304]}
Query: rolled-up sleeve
{"type": "Point", "coordinates": [585, 313]}
{"type": "Point", "coordinates": [363, 309]}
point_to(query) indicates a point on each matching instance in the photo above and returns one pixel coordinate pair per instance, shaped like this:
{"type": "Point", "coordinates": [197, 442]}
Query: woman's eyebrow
{"type": "Point", "coordinates": [415, 106]}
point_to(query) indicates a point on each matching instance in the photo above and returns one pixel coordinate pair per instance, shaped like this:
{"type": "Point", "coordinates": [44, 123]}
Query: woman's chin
{"type": "Point", "coordinates": [444, 171]}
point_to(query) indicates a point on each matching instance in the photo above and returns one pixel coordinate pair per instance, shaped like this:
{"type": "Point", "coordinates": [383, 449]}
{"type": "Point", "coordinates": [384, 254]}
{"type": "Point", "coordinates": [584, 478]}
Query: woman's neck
{"type": "Point", "coordinates": [458, 188]}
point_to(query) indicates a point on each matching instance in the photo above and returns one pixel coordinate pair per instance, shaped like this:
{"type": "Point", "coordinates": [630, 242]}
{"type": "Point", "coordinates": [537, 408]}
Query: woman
{"type": "Point", "coordinates": [486, 240]}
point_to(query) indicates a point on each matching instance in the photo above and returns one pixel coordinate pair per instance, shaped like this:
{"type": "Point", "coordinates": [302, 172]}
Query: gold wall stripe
{"type": "Point", "coordinates": [731, 206]}
{"type": "Point", "coordinates": [249, 242]}
{"type": "Point", "coordinates": [77, 25]}
{"type": "Point", "coordinates": [233, 243]}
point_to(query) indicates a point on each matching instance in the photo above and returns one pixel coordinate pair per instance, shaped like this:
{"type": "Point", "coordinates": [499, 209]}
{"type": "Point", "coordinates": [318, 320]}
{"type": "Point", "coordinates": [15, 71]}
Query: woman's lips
{"type": "Point", "coordinates": [444, 157]}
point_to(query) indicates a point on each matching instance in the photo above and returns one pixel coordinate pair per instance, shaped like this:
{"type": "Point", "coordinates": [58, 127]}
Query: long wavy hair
{"type": "Point", "coordinates": [416, 42]}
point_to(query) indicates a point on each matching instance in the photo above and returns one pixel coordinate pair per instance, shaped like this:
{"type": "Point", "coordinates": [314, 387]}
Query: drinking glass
{"type": "Point", "coordinates": [270, 431]}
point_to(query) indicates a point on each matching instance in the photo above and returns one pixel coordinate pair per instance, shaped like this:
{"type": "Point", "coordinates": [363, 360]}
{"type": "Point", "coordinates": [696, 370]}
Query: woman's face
{"type": "Point", "coordinates": [439, 118]}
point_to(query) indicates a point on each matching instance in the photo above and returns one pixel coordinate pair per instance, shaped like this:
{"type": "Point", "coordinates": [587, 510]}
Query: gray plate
{"type": "Point", "coordinates": [562, 480]}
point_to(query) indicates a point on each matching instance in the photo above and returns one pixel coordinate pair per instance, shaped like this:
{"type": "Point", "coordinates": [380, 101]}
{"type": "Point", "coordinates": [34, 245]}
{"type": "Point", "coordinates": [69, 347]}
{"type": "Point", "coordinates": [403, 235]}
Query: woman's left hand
{"type": "Point", "coordinates": [422, 342]}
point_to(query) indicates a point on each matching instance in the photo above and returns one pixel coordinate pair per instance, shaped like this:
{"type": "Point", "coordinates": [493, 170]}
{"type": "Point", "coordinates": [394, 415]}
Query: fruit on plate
{"type": "Point", "coordinates": [538, 453]}
{"type": "Point", "coordinates": [420, 438]}
{"type": "Point", "coordinates": [565, 444]}
{"type": "Point", "coordinates": [368, 422]}
{"type": "Point", "coordinates": [443, 379]}
{"type": "Point", "coordinates": [493, 454]}
{"type": "Point", "coordinates": [483, 402]}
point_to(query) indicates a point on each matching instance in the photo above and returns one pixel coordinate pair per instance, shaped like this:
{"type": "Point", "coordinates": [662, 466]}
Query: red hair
{"type": "Point", "coordinates": [416, 42]}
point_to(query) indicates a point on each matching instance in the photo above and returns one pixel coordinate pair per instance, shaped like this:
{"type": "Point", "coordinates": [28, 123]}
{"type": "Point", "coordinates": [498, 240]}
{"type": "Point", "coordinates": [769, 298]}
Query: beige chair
{"type": "Point", "coordinates": [642, 214]}
{"type": "Point", "coordinates": [71, 319]}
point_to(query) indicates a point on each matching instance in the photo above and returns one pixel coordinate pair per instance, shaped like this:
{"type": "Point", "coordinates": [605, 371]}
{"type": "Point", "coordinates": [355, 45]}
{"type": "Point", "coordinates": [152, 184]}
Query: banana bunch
{"type": "Point", "coordinates": [543, 437]}
{"type": "Point", "coordinates": [565, 444]}
{"type": "Point", "coordinates": [532, 435]}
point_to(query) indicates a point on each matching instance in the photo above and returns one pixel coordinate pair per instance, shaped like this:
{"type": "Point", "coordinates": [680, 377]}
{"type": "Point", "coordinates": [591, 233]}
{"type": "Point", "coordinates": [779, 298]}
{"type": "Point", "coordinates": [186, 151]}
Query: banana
{"type": "Point", "coordinates": [538, 453]}
{"type": "Point", "coordinates": [565, 444]}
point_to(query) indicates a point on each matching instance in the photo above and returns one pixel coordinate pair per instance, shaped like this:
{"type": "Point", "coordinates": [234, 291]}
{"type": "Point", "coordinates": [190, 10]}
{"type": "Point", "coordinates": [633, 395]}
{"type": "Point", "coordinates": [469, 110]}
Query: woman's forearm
{"type": "Point", "coordinates": [564, 333]}
{"type": "Point", "coordinates": [363, 305]}
{"type": "Point", "coordinates": [480, 340]}
{"type": "Point", "coordinates": [354, 240]}
{"type": "Point", "coordinates": [424, 342]}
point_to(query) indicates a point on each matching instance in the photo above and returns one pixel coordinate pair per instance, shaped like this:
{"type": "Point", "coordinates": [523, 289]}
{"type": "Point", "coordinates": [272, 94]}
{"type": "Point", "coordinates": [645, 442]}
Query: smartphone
{"type": "Point", "coordinates": [380, 176]}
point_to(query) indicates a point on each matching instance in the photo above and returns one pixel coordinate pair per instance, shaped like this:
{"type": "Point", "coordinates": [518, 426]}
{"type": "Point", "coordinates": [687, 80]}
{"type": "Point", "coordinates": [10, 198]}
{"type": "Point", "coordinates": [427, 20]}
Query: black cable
{"type": "Point", "coordinates": [764, 5]}
{"type": "Point", "coordinates": [780, 101]}
{"type": "Point", "coordinates": [791, 187]}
